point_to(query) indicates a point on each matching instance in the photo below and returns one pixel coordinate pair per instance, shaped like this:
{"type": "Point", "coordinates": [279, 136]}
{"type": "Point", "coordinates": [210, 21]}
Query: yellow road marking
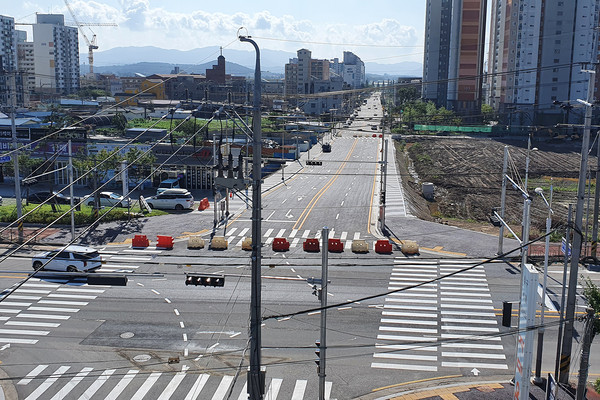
{"type": "Point", "coordinates": [438, 249]}
{"type": "Point", "coordinates": [323, 190]}
{"type": "Point", "coordinates": [417, 381]}
{"type": "Point", "coordinates": [14, 276]}
{"type": "Point", "coordinates": [126, 241]}
{"type": "Point", "coordinates": [447, 393]}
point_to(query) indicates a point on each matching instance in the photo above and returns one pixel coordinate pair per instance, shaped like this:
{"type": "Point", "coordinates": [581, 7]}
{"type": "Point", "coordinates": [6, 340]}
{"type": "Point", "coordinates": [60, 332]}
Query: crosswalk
{"type": "Point", "coordinates": [395, 205]}
{"type": "Point", "coordinates": [445, 324]}
{"type": "Point", "coordinates": [114, 260]}
{"type": "Point", "coordinates": [235, 236]}
{"type": "Point", "coordinates": [37, 307]}
{"type": "Point", "coordinates": [67, 382]}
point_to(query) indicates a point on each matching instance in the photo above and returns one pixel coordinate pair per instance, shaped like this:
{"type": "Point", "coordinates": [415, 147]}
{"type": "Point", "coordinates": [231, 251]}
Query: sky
{"type": "Point", "coordinates": [383, 31]}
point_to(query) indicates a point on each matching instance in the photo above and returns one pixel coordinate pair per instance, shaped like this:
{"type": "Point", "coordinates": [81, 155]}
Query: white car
{"type": "Point", "coordinates": [172, 199]}
{"type": "Point", "coordinates": [109, 199]}
{"type": "Point", "coordinates": [70, 259]}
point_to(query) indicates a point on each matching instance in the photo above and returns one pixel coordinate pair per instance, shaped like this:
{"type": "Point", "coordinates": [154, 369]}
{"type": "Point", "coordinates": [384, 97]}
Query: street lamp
{"type": "Point", "coordinates": [540, 343]}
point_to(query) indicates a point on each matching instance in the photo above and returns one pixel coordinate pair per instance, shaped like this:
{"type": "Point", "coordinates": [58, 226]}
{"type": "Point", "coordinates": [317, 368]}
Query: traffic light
{"type": "Point", "coordinates": [318, 353]}
{"type": "Point", "coordinates": [205, 280]}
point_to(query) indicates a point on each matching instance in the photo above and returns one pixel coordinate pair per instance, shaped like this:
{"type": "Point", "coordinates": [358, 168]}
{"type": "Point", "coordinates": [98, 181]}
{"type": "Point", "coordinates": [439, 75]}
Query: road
{"type": "Point", "coordinates": [64, 339]}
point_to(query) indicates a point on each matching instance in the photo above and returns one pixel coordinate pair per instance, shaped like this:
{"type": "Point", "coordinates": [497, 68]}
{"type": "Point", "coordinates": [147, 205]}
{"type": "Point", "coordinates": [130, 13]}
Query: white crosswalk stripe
{"type": "Point", "coordinates": [137, 385]}
{"type": "Point", "coordinates": [458, 308]}
{"type": "Point", "coordinates": [395, 204]}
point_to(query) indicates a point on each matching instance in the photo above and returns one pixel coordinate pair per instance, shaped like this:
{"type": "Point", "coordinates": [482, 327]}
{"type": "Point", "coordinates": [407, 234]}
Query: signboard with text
{"type": "Point", "coordinates": [525, 336]}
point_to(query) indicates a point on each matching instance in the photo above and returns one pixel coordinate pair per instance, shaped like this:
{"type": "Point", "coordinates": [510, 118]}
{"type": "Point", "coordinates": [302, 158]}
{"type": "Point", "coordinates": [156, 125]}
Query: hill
{"type": "Point", "coordinates": [149, 68]}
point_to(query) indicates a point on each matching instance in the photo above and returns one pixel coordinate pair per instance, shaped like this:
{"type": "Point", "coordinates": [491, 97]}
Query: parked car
{"type": "Point", "coordinates": [167, 184]}
{"type": "Point", "coordinates": [171, 199]}
{"type": "Point", "coordinates": [109, 199]}
{"type": "Point", "coordinates": [326, 148]}
{"type": "Point", "coordinates": [40, 197]}
{"type": "Point", "coordinates": [70, 259]}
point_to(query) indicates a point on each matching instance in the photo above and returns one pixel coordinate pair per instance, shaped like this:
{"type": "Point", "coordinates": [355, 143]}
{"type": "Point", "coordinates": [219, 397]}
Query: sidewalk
{"type": "Point", "coordinates": [490, 389]}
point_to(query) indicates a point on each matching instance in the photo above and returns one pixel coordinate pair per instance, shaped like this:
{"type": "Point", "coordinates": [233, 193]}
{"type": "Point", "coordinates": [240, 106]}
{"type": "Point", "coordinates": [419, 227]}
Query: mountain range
{"type": "Point", "coordinates": [125, 60]}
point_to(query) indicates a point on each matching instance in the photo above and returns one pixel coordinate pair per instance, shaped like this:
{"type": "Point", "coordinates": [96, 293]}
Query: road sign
{"type": "Point", "coordinates": [563, 246]}
{"type": "Point", "coordinates": [4, 159]}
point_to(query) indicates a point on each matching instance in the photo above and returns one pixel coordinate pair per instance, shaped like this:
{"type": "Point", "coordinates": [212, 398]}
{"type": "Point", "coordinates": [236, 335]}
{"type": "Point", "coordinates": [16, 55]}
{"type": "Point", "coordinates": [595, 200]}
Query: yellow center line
{"type": "Point", "coordinates": [417, 381]}
{"type": "Point", "coordinates": [304, 216]}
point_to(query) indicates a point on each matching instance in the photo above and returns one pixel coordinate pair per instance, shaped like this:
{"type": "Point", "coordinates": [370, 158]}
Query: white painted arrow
{"type": "Point", "coordinates": [6, 346]}
{"type": "Point", "coordinates": [475, 371]}
{"type": "Point", "coordinates": [288, 215]}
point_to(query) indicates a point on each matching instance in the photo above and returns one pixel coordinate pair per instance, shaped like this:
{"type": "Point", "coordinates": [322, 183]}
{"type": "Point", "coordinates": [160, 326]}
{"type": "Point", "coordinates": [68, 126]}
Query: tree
{"type": "Point", "coordinates": [591, 292]}
{"type": "Point", "coordinates": [487, 113]}
{"type": "Point", "coordinates": [406, 94]}
{"type": "Point", "coordinates": [119, 121]}
{"type": "Point", "coordinates": [142, 167]}
{"type": "Point", "coordinates": [104, 161]}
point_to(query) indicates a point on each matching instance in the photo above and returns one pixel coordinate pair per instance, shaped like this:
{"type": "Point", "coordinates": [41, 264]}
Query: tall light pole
{"type": "Point", "coordinates": [13, 103]}
{"type": "Point", "coordinates": [567, 342]}
{"type": "Point", "coordinates": [256, 387]}
{"type": "Point", "coordinates": [540, 343]}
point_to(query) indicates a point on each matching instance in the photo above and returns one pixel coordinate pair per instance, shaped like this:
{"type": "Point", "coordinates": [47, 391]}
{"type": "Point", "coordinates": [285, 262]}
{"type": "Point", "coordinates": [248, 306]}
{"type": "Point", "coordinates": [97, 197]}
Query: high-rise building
{"type": "Point", "coordinates": [454, 53]}
{"type": "Point", "coordinates": [26, 62]}
{"type": "Point", "coordinates": [353, 70]}
{"type": "Point", "coordinates": [56, 51]}
{"type": "Point", "coordinates": [536, 51]}
{"type": "Point", "coordinates": [8, 44]}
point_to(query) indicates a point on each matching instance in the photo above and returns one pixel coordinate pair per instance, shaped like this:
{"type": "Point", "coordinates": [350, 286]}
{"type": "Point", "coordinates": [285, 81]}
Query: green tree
{"type": "Point", "coordinates": [140, 163]}
{"type": "Point", "coordinates": [591, 292]}
{"type": "Point", "coordinates": [407, 94]}
{"type": "Point", "coordinates": [104, 161]}
{"type": "Point", "coordinates": [487, 113]}
{"type": "Point", "coordinates": [120, 122]}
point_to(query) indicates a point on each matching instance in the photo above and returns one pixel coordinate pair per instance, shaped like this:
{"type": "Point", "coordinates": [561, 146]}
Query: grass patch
{"type": "Point", "coordinates": [46, 214]}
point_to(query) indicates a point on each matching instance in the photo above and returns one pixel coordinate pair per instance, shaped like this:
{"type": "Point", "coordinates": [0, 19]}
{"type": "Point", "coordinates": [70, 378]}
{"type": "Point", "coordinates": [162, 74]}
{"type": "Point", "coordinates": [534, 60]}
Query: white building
{"type": "Point", "coordinates": [353, 70]}
{"type": "Point", "coordinates": [56, 50]}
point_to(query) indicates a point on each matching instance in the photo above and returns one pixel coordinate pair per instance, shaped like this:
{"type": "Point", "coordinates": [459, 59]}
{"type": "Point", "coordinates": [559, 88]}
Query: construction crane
{"type": "Point", "coordinates": [90, 43]}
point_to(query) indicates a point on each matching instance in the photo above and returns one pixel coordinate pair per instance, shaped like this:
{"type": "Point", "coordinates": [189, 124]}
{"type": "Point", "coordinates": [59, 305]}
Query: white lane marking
{"type": "Point", "coordinates": [194, 392]}
{"type": "Point", "coordinates": [18, 341]}
{"type": "Point", "coordinates": [337, 216]}
{"type": "Point", "coordinates": [172, 386]}
{"type": "Point", "coordinates": [470, 321]}
{"type": "Point", "coordinates": [43, 316]}
{"type": "Point", "coordinates": [155, 291]}
{"type": "Point", "coordinates": [274, 387]}
{"type": "Point", "coordinates": [462, 306]}
{"type": "Point", "coordinates": [15, 304]}
{"type": "Point", "coordinates": [356, 235]}
{"type": "Point", "coordinates": [407, 338]}
{"type": "Point", "coordinates": [299, 389]}
{"type": "Point", "coordinates": [73, 296]}
{"type": "Point", "coordinates": [408, 321]}
{"type": "Point", "coordinates": [243, 231]}
{"type": "Point", "coordinates": [473, 355]}
{"type": "Point", "coordinates": [463, 300]}
{"type": "Point", "coordinates": [34, 372]}
{"type": "Point", "coordinates": [474, 365]}
{"type": "Point", "coordinates": [101, 380]}
{"type": "Point", "coordinates": [293, 233]}
{"type": "Point", "coordinates": [9, 311]}
{"type": "Point", "coordinates": [223, 388]}
{"type": "Point", "coordinates": [395, 356]}
{"type": "Point", "coordinates": [47, 383]}
{"type": "Point", "coordinates": [146, 386]}
{"type": "Point", "coordinates": [138, 251]}
{"type": "Point", "coordinates": [404, 366]}
{"type": "Point", "coordinates": [167, 300]}
{"type": "Point", "coordinates": [474, 346]}
{"type": "Point", "coordinates": [295, 242]}
{"type": "Point", "coordinates": [469, 337]}
{"type": "Point", "coordinates": [185, 338]}
{"type": "Point", "coordinates": [280, 233]}
{"type": "Point", "coordinates": [65, 390]}
{"type": "Point", "coordinates": [33, 324]}
{"type": "Point", "coordinates": [244, 392]}
{"type": "Point", "coordinates": [407, 329]}
{"type": "Point", "coordinates": [549, 304]}
{"type": "Point", "coordinates": [57, 309]}
{"type": "Point", "coordinates": [21, 290]}
{"type": "Point", "coordinates": [409, 307]}
{"type": "Point", "coordinates": [44, 285]}
{"type": "Point", "coordinates": [231, 231]}
{"type": "Point", "coordinates": [129, 258]}
{"type": "Point", "coordinates": [284, 200]}
{"type": "Point", "coordinates": [176, 311]}
{"type": "Point", "coordinates": [305, 234]}
{"type": "Point", "coordinates": [469, 328]}
{"type": "Point", "coordinates": [270, 215]}
{"type": "Point", "coordinates": [408, 314]}
{"type": "Point", "coordinates": [417, 347]}
{"type": "Point", "coordinates": [413, 301]}
{"type": "Point", "coordinates": [63, 303]}
{"type": "Point", "coordinates": [268, 232]}
{"type": "Point", "coordinates": [469, 313]}
{"type": "Point", "coordinates": [23, 332]}
{"type": "Point", "coordinates": [343, 235]}
{"type": "Point", "coordinates": [80, 290]}
{"type": "Point", "coordinates": [181, 325]}
{"type": "Point", "coordinates": [123, 383]}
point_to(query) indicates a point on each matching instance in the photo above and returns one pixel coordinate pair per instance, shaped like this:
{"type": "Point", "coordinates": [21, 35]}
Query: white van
{"type": "Point", "coordinates": [167, 184]}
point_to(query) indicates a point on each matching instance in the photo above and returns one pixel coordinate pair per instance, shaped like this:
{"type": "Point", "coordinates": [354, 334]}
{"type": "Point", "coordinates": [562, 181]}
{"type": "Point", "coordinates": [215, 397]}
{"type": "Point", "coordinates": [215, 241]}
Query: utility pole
{"type": "Point", "coordinates": [323, 294]}
{"type": "Point", "coordinates": [567, 343]}
{"type": "Point", "coordinates": [72, 202]}
{"type": "Point", "coordinates": [503, 200]}
{"type": "Point", "coordinates": [586, 344]}
{"type": "Point", "coordinates": [384, 149]}
{"type": "Point", "coordinates": [561, 320]}
{"type": "Point", "coordinates": [13, 101]}
{"type": "Point", "coordinates": [256, 380]}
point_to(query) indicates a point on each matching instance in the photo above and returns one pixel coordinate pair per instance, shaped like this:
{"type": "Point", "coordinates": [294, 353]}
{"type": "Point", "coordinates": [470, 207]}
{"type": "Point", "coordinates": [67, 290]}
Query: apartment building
{"type": "Point", "coordinates": [537, 49]}
{"type": "Point", "coordinates": [454, 54]}
{"type": "Point", "coordinates": [56, 51]}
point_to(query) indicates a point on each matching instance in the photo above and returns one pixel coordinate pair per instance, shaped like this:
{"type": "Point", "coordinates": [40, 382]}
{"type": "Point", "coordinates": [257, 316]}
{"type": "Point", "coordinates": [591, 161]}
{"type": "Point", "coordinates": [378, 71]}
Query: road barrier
{"type": "Point", "coordinates": [383, 247]}
{"type": "Point", "coordinates": [311, 245]}
{"type": "Point", "coordinates": [218, 243]}
{"type": "Point", "coordinates": [314, 162]}
{"type": "Point", "coordinates": [335, 245]}
{"type": "Point", "coordinates": [280, 244]}
{"type": "Point", "coordinates": [140, 241]}
{"type": "Point", "coordinates": [204, 204]}
{"type": "Point", "coordinates": [165, 242]}
{"type": "Point", "coordinates": [195, 242]}
{"type": "Point", "coordinates": [409, 247]}
{"type": "Point", "coordinates": [360, 246]}
{"type": "Point", "coordinates": [247, 244]}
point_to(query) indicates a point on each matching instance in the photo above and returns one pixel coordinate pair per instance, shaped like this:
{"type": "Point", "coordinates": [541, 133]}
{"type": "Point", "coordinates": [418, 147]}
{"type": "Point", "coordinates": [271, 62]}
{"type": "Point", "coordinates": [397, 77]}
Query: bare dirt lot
{"type": "Point", "coordinates": [467, 177]}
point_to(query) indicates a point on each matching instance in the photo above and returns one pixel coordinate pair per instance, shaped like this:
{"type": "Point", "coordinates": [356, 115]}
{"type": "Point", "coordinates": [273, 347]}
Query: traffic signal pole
{"type": "Point", "coordinates": [256, 388]}
{"type": "Point", "coordinates": [323, 339]}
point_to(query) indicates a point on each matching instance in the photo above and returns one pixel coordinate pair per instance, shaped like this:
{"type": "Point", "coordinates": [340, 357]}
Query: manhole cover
{"type": "Point", "coordinates": [127, 335]}
{"type": "Point", "coordinates": [142, 358]}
